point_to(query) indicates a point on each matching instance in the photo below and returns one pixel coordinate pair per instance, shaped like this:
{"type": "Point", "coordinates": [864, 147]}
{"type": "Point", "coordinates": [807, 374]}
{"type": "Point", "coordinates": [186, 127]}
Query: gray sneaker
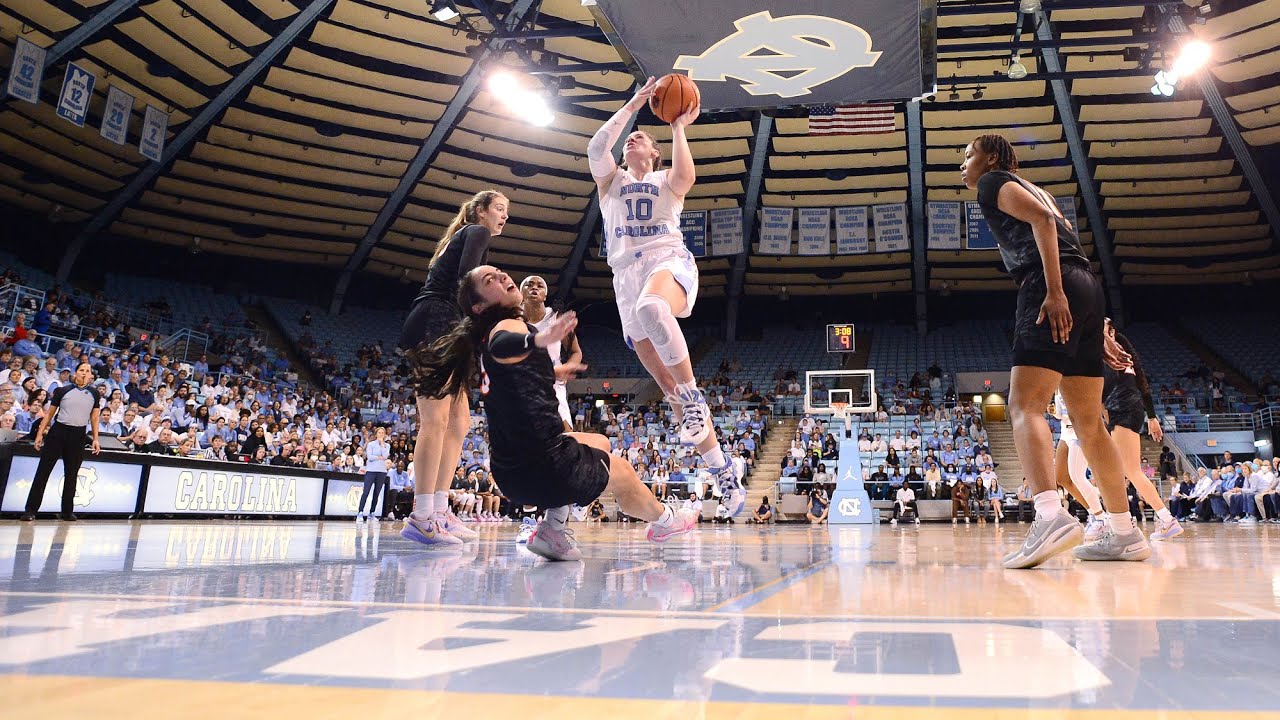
{"type": "Point", "coordinates": [1131, 546]}
{"type": "Point", "coordinates": [1046, 538]}
{"type": "Point", "coordinates": [553, 544]}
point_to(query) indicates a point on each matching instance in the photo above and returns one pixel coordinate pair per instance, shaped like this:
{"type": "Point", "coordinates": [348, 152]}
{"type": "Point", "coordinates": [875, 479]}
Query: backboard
{"type": "Point", "coordinates": [854, 389]}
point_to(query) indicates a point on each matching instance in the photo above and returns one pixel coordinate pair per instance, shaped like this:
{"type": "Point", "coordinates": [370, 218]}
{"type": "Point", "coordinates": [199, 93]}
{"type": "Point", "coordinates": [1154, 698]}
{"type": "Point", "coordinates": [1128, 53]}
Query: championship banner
{"type": "Point", "coordinates": [977, 233]}
{"type": "Point", "coordinates": [726, 231]}
{"type": "Point", "coordinates": [1067, 205]}
{"type": "Point", "coordinates": [154, 126]}
{"type": "Point", "coordinates": [77, 91]}
{"type": "Point", "coordinates": [775, 231]}
{"type": "Point", "coordinates": [27, 71]}
{"type": "Point", "coordinates": [815, 231]}
{"type": "Point", "coordinates": [101, 487]}
{"type": "Point", "coordinates": [852, 237]}
{"type": "Point", "coordinates": [115, 116]}
{"type": "Point", "coordinates": [693, 225]}
{"type": "Point", "coordinates": [750, 54]}
{"type": "Point", "coordinates": [256, 490]}
{"type": "Point", "coordinates": [891, 228]}
{"type": "Point", "coordinates": [944, 225]}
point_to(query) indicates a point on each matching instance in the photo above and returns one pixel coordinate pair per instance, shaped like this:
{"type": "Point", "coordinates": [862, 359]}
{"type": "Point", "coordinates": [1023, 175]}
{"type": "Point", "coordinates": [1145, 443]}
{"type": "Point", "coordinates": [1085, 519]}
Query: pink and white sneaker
{"type": "Point", "coordinates": [428, 532]}
{"type": "Point", "coordinates": [553, 544]}
{"type": "Point", "coordinates": [454, 526]}
{"type": "Point", "coordinates": [684, 521]}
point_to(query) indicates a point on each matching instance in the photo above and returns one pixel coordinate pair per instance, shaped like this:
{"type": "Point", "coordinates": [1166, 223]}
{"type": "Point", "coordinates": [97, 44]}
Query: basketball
{"type": "Point", "coordinates": [674, 96]}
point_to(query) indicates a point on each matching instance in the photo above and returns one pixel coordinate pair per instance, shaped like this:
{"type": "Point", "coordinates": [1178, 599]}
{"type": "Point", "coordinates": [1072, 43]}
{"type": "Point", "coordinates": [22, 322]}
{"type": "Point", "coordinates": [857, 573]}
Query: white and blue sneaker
{"type": "Point", "coordinates": [695, 421]}
{"type": "Point", "coordinates": [526, 529]}
{"type": "Point", "coordinates": [730, 488]}
{"type": "Point", "coordinates": [428, 532]}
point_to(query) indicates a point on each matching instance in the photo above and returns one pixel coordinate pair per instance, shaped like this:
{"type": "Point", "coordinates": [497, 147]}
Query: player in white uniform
{"type": "Point", "coordinates": [1072, 470]}
{"type": "Point", "coordinates": [654, 275]}
{"type": "Point", "coordinates": [540, 316]}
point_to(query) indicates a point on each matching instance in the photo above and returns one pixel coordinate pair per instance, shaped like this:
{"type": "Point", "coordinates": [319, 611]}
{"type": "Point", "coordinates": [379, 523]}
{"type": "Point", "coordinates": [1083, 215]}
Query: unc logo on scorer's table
{"type": "Point", "coordinates": [850, 507]}
{"type": "Point", "coordinates": [353, 498]}
{"type": "Point", "coordinates": [822, 48]}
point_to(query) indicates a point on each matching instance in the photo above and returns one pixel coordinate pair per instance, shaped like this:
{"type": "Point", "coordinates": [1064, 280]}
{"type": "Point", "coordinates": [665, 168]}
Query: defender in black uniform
{"type": "Point", "coordinates": [1058, 332]}
{"type": "Point", "coordinates": [1129, 407]}
{"type": "Point", "coordinates": [444, 418]}
{"type": "Point", "coordinates": [534, 460]}
{"type": "Point", "coordinates": [61, 436]}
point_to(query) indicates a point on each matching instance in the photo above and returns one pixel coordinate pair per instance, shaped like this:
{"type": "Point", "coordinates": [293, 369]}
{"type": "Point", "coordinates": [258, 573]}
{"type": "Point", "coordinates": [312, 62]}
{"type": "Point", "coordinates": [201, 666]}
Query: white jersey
{"type": "Point", "coordinates": [554, 348]}
{"type": "Point", "coordinates": [1068, 432]}
{"type": "Point", "coordinates": [639, 214]}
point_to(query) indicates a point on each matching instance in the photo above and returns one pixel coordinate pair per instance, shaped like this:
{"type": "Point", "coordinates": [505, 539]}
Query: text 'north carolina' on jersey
{"type": "Point", "coordinates": [639, 215]}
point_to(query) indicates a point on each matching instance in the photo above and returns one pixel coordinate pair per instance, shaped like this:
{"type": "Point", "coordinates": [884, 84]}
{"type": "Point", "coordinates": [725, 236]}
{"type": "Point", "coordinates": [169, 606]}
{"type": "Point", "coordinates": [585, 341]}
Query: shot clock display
{"type": "Point", "coordinates": [840, 338]}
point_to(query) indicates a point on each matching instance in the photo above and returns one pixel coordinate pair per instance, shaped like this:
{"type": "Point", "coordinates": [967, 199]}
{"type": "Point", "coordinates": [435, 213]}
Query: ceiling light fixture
{"type": "Point", "coordinates": [443, 10]}
{"type": "Point", "coordinates": [1017, 70]}
{"type": "Point", "coordinates": [1029, 6]}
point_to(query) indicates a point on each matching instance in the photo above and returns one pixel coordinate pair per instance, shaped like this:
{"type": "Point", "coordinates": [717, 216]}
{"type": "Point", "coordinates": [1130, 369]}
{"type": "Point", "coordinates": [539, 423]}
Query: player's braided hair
{"type": "Point", "coordinates": [1006, 158]}
{"type": "Point", "coordinates": [451, 364]}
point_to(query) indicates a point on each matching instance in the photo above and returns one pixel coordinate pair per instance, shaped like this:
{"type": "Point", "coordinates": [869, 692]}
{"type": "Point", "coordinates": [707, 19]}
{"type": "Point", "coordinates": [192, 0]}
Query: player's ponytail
{"type": "Point", "coordinates": [468, 214]}
{"type": "Point", "coordinates": [451, 364]}
{"type": "Point", "coordinates": [1006, 158]}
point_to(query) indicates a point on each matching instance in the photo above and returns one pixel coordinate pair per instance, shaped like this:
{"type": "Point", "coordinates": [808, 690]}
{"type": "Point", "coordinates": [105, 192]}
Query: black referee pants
{"type": "Point", "coordinates": [64, 443]}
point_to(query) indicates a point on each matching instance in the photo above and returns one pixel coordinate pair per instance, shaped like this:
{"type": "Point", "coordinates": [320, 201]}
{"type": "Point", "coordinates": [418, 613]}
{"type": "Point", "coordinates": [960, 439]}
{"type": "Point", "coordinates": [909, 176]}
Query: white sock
{"type": "Point", "coordinates": [1121, 522]}
{"type": "Point", "coordinates": [423, 506]}
{"type": "Point", "coordinates": [557, 517]}
{"type": "Point", "coordinates": [442, 502]}
{"type": "Point", "coordinates": [1047, 503]}
{"type": "Point", "coordinates": [1164, 515]}
{"type": "Point", "coordinates": [667, 518]}
{"type": "Point", "coordinates": [688, 392]}
{"type": "Point", "coordinates": [715, 457]}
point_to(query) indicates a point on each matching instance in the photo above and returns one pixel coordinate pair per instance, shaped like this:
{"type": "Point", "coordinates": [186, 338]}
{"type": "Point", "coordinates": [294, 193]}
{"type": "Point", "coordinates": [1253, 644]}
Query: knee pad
{"type": "Point", "coordinates": [662, 328]}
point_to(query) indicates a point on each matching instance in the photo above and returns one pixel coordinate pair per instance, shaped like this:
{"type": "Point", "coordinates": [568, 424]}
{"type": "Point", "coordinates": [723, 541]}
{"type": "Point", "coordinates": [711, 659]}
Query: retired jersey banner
{"type": "Point", "coordinates": [752, 54]}
{"type": "Point", "coordinates": [115, 116]}
{"type": "Point", "coordinates": [815, 231]}
{"type": "Point", "coordinates": [775, 231]}
{"type": "Point", "coordinates": [726, 231]}
{"type": "Point", "coordinates": [891, 228]}
{"type": "Point", "coordinates": [27, 71]}
{"type": "Point", "coordinates": [852, 237]}
{"type": "Point", "coordinates": [154, 126]}
{"type": "Point", "coordinates": [1068, 207]}
{"type": "Point", "coordinates": [77, 91]}
{"type": "Point", "coordinates": [944, 225]}
{"type": "Point", "coordinates": [693, 225]}
{"type": "Point", "coordinates": [977, 232]}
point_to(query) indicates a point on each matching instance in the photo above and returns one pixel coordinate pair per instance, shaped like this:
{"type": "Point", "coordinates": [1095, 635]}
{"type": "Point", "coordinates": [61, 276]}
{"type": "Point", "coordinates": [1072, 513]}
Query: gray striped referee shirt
{"type": "Point", "coordinates": [75, 405]}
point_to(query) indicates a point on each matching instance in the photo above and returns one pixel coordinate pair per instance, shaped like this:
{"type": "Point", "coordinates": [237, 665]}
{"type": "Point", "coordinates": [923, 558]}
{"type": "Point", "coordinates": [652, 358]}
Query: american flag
{"type": "Point", "coordinates": [850, 119]}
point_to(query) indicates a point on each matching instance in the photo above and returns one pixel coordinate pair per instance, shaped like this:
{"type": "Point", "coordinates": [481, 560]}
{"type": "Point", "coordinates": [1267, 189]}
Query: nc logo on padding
{"type": "Point", "coordinates": [850, 507]}
{"type": "Point", "coordinates": [786, 56]}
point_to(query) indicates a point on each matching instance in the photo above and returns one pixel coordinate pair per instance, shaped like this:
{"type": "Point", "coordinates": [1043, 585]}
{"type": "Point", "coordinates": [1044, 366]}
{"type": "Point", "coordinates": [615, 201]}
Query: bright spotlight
{"type": "Point", "coordinates": [536, 111]}
{"type": "Point", "coordinates": [1017, 70]}
{"type": "Point", "coordinates": [503, 84]}
{"type": "Point", "coordinates": [1029, 6]}
{"type": "Point", "coordinates": [1194, 55]}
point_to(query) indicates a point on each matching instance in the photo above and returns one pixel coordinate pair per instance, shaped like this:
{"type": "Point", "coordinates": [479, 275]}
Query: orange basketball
{"type": "Point", "coordinates": [674, 96]}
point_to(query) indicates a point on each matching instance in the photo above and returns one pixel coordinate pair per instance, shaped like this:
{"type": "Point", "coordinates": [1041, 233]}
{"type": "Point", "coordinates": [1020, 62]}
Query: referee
{"type": "Point", "coordinates": [75, 411]}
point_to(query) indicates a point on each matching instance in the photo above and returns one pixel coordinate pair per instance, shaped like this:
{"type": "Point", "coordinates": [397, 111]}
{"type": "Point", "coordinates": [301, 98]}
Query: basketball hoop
{"type": "Point", "coordinates": [840, 410]}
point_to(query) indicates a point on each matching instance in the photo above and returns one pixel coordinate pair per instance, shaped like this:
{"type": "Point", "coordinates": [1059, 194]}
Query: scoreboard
{"type": "Point", "coordinates": [840, 338]}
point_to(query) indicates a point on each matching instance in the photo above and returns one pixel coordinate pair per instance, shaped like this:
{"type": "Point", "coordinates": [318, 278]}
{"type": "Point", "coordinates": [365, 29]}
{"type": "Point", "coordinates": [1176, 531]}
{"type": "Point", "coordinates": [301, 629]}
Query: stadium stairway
{"type": "Point", "coordinates": [769, 461]}
{"type": "Point", "coordinates": [1212, 359]}
{"type": "Point", "coordinates": [1003, 451]}
{"type": "Point", "coordinates": [277, 339]}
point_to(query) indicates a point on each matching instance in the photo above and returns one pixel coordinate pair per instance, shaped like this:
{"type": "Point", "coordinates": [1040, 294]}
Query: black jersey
{"type": "Point", "coordinates": [1127, 391]}
{"type": "Point", "coordinates": [1015, 237]}
{"type": "Point", "coordinates": [523, 412]}
{"type": "Point", "coordinates": [466, 250]}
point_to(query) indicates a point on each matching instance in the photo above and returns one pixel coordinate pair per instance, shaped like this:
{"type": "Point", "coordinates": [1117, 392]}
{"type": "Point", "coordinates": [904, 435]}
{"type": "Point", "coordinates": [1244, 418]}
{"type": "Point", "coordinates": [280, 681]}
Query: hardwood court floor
{"type": "Point", "coordinates": [337, 620]}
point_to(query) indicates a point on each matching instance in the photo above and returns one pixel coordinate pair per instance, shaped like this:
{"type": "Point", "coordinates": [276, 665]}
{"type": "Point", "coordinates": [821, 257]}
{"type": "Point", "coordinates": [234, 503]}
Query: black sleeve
{"type": "Point", "coordinates": [475, 247]}
{"type": "Point", "coordinates": [506, 344]}
{"type": "Point", "coordinates": [989, 188]}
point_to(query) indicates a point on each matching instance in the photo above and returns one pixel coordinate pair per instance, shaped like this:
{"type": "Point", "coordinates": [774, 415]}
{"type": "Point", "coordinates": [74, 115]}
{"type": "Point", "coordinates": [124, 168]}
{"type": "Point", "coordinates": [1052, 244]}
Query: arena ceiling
{"type": "Point", "coordinates": [314, 140]}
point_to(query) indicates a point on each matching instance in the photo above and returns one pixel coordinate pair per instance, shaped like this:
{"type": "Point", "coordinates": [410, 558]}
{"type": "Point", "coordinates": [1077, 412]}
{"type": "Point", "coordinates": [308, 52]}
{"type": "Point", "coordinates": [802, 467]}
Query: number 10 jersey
{"type": "Point", "coordinates": [639, 216]}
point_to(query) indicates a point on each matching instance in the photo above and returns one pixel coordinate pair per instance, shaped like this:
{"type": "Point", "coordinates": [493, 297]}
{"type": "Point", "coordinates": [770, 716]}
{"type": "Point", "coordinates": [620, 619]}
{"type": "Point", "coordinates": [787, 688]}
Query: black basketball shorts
{"type": "Point", "coordinates": [1033, 345]}
{"type": "Point", "coordinates": [566, 472]}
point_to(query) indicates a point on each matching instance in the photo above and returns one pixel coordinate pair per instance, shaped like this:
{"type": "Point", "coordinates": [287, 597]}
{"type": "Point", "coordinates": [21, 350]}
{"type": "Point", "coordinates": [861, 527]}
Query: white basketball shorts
{"type": "Point", "coordinates": [629, 282]}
